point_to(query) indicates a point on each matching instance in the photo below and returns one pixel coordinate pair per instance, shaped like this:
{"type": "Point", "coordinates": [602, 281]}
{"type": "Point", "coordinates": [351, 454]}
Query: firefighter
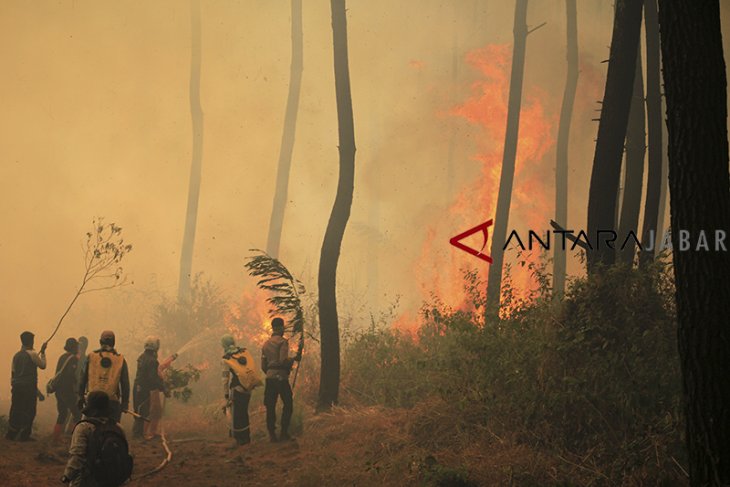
{"type": "Point", "coordinates": [277, 364]}
{"type": "Point", "coordinates": [238, 382]}
{"type": "Point", "coordinates": [65, 388]}
{"type": "Point", "coordinates": [148, 390]}
{"type": "Point", "coordinates": [106, 370]}
{"type": "Point", "coordinates": [24, 388]}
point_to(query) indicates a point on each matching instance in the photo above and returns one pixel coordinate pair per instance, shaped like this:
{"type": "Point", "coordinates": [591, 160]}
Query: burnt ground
{"type": "Point", "coordinates": [358, 446]}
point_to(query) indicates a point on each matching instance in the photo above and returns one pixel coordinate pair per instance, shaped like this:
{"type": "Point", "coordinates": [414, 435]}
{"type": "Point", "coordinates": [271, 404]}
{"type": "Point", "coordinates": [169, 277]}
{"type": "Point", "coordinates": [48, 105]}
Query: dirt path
{"type": "Point", "coordinates": [334, 449]}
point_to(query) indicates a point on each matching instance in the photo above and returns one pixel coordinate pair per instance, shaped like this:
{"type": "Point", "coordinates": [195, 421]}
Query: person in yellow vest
{"type": "Point", "coordinates": [240, 377]}
{"type": "Point", "coordinates": [106, 370]}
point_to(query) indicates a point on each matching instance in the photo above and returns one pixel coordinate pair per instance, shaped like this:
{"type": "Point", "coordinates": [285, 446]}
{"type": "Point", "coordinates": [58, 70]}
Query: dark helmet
{"type": "Point", "coordinates": [107, 338]}
{"type": "Point", "coordinates": [27, 338]}
{"type": "Point", "coordinates": [277, 324]}
{"type": "Point", "coordinates": [72, 346]}
{"type": "Point", "coordinates": [97, 404]}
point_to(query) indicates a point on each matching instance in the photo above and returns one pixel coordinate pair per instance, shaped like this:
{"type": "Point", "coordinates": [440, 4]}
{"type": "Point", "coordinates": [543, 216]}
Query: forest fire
{"type": "Point", "coordinates": [248, 319]}
{"type": "Point", "coordinates": [486, 108]}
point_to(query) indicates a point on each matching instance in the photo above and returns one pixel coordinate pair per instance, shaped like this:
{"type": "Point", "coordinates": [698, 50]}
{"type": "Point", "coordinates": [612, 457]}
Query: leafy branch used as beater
{"type": "Point", "coordinates": [104, 250]}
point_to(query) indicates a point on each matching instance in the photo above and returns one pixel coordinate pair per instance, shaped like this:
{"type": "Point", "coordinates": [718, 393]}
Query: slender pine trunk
{"type": "Point", "coordinates": [196, 114]}
{"type": "Point", "coordinates": [561, 164]}
{"type": "Point", "coordinates": [655, 176]}
{"type": "Point", "coordinates": [602, 195]}
{"type": "Point", "coordinates": [288, 136]}
{"type": "Point", "coordinates": [634, 175]}
{"type": "Point", "coordinates": [504, 198]}
{"type": "Point", "coordinates": [327, 279]}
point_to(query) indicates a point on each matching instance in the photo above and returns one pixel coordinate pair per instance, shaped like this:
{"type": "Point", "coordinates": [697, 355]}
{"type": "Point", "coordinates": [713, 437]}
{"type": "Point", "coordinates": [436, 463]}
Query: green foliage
{"type": "Point", "coordinates": [177, 381]}
{"type": "Point", "coordinates": [595, 375]}
{"type": "Point", "coordinates": [285, 288]}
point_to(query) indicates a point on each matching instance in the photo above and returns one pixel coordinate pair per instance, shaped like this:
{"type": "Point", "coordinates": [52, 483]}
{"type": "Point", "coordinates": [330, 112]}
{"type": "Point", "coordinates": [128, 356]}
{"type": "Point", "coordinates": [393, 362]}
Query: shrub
{"type": "Point", "coordinates": [594, 375]}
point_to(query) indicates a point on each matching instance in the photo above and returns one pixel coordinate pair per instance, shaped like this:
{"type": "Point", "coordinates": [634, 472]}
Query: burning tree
{"type": "Point", "coordinates": [104, 250]}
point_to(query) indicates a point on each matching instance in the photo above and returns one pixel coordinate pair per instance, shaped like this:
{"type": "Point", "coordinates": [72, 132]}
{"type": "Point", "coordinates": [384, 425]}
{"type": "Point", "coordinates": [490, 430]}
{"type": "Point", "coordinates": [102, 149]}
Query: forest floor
{"type": "Point", "coordinates": [347, 447]}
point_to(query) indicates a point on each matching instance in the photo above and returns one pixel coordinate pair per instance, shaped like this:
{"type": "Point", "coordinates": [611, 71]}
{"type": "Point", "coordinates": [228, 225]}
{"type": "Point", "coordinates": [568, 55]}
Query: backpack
{"type": "Point", "coordinates": [108, 454]}
{"type": "Point", "coordinates": [53, 382]}
{"type": "Point", "coordinates": [244, 366]}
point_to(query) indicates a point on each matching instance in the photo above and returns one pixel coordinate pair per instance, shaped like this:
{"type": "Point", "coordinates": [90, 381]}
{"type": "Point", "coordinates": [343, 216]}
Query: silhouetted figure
{"type": "Point", "coordinates": [106, 370]}
{"type": "Point", "coordinates": [99, 452]}
{"type": "Point", "coordinates": [275, 362]}
{"type": "Point", "coordinates": [24, 388]}
{"type": "Point", "coordinates": [65, 387]}
{"type": "Point", "coordinates": [237, 396]}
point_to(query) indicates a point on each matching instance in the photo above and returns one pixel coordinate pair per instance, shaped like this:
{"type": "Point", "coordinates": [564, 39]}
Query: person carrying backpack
{"type": "Point", "coordinates": [99, 452]}
{"type": "Point", "coordinates": [106, 370]}
{"type": "Point", "coordinates": [240, 377]}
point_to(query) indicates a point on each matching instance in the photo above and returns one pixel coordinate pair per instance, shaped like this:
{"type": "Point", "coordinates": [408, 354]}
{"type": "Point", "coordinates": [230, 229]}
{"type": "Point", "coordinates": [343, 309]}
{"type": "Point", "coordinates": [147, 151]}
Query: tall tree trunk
{"type": "Point", "coordinates": [196, 114]}
{"type": "Point", "coordinates": [328, 319]}
{"type": "Point", "coordinates": [695, 85]}
{"type": "Point", "coordinates": [561, 163]}
{"type": "Point", "coordinates": [655, 178]}
{"type": "Point", "coordinates": [290, 127]}
{"type": "Point", "coordinates": [504, 198]}
{"type": "Point", "coordinates": [634, 175]}
{"type": "Point", "coordinates": [612, 129]}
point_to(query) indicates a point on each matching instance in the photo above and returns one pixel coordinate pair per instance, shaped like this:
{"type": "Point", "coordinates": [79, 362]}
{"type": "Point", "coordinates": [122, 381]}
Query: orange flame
{"type": "Point", "coordinates": [248, 320]}
{"type": "Point", "coordinates": [486, 108]}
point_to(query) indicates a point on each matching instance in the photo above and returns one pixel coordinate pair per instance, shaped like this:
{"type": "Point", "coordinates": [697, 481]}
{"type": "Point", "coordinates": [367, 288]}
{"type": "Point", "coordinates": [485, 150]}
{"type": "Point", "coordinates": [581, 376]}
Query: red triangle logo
{"type": "Point", "coordinates": [482, 227]}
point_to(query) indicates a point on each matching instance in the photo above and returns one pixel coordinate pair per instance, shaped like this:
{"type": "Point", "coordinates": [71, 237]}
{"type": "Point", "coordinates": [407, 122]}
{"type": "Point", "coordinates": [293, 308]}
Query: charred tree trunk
{"type": "Point", "coordinates": [328, 319]}
{"type": "Point", "coordinates": [196, 114]}
{"type": "Point", "coordinates": [695, 85]}
{"type": "Point", "coordinates": [634, 175]}
{"type": "Point", "coordinates": [612, 129]}
{"type": "Point", "coordinates": [655, 178]}
{"type": "Point", "coordinates": [506, 179]}
{"type": "Point", "coordinates": [561, 164]}
{"type": "Point", "coordinates": [290, 127]}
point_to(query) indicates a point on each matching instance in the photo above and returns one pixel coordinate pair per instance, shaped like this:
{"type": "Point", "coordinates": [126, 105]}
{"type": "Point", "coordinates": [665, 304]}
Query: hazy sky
{"type": "Point", "coordinates": [96, 123]}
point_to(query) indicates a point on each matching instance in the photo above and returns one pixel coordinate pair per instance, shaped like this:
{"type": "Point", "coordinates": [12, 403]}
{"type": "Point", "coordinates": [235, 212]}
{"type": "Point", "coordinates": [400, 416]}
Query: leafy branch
{"type": "Point", "coordinates": [104, 250]}
{"type": "Point", "coordinates": [273, 276]}
{"type": "Point", "coordinates": [286, 289]}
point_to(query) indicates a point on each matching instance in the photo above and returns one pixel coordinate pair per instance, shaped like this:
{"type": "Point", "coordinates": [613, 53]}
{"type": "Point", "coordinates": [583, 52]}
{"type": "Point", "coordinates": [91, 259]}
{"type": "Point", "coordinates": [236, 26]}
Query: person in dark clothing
{"type": "Point", "coordinates": [277, 364]}
{"type": "Point", "coordinates": [106, 370]}
{"type": "Point", "coordinates": [83, 346]}
{"type": "Point", "coordinates": [24, 388]}
{"type": "Point", "coordinates": [146, 382]}
{"type": "Point", "coordinates": [86, 463]}
{"type": "Point", "coordinates": [65, 385]}
{"type": "Point", "coordinates": [236, 395]}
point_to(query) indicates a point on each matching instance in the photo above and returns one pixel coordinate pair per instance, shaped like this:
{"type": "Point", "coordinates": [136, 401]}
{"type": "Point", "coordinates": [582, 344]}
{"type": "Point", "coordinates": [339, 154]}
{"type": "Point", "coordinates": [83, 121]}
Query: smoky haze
{"type": "Point", "coordinates": [96, 122]}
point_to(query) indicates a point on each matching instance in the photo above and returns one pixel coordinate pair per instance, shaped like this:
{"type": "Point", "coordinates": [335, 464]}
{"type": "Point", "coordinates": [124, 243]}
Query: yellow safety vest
{"type": "Point", "coordinates": [247, 373]}
{"type": "Point", "coordinates": [105, 371]}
